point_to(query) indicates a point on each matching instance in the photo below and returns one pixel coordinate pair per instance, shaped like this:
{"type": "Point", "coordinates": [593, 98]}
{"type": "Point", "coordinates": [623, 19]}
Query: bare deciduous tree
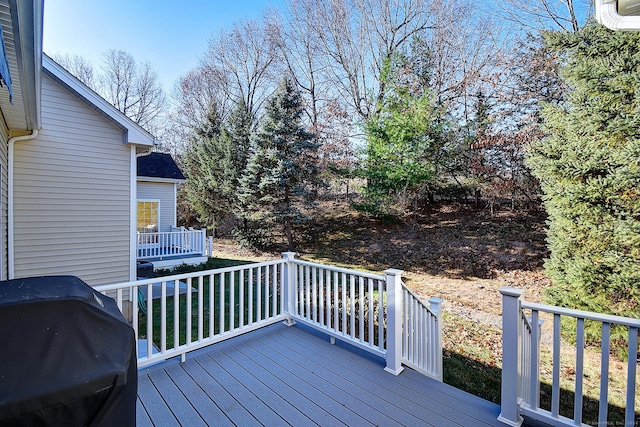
{"type": "Point", "coordinates": [357, 36]}
{"type": "Point", "coordinates": [457, 65]}
{"type": "Point", "coordinates": [193, 95]}
{"type": "Point", "coordinates": [133, 89]}
{"type": "Point", "coordinates": [563, 15]}
{"type": "Point", "coordinates": [244, 59]}
{"type": "Point", "coordinates": [299, 45]}
{"type": "Point", "coordinates": [79, 67]}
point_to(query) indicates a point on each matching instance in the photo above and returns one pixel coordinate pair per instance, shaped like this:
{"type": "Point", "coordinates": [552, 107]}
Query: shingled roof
{"type": "Point", "coordinates": [159, 165]}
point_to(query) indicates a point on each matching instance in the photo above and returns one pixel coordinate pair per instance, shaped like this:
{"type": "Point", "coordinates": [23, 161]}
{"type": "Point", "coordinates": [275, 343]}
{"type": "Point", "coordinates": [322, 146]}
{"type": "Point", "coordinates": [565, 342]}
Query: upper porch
{"type": "Point", "coordinates": [171, 248]}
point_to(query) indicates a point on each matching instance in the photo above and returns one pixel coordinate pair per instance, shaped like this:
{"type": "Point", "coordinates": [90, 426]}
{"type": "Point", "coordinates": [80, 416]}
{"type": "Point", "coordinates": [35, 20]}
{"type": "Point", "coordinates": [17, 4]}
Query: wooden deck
{"type": "Point", "coordinates": [286, 376]}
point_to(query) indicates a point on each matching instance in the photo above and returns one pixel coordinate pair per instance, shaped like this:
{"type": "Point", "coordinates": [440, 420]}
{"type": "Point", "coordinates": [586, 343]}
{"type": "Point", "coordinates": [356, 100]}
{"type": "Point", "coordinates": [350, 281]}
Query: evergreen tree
{"type": "Point", "coordinates": [589, 171]}
{"type": "Point", "coordinates": [404, 142]}
{"type": "Point", "coordinates": [282, 170]}
{"type": "Point", "coordinates": [238, 128]}
{"type": "Point", "coordinates": [215, 160]}
{"type": "Point", "coordinates": [210, 173]}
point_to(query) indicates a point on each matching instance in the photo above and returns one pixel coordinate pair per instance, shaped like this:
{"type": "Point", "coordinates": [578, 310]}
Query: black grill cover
{"type": "Point", "coordinates": [67, 356]}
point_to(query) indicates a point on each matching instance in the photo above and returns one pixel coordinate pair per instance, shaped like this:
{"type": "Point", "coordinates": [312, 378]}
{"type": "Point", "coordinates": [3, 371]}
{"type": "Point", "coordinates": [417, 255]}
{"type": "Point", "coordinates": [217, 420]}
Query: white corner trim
{"type": "Point", "coordinates": [175, 204]}
{"type": "Point", "coordinates": [133, 222]}
{"type": "Point", "coordinates": [606, 13]}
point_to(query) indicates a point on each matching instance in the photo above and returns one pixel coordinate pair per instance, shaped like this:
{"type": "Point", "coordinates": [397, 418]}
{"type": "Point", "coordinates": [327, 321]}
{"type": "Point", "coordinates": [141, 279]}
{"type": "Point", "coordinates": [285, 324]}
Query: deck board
{"type": "Point", "coordinates": [157, 410]}
{"type": "Point", "coordinates": [244, 397]}
{"type": "Point", "coordinates": [288, 411]}
{"type": "Point", "coordinates": [245, 356]}
{"type": "Point", "coordinates": [424, 406]}
{"type": "Point", "coordinates": [200, 400]}
{"type": "Point", "coordinates": [235, 413]}
{"type": "Point", "coordinates": [411, 386]}
{"type": "Point", "coordinates": [142, 418]}
{"type": "Point", "coordinates": [182, 409]}
{"type": "Point", "coordinates": [286, 376]}
{"type": "Point", "coordinates": [319, 360]}
{"type": "Point", "coordinates": [345, 394]}
{"type": "Point", "coordinates": [340, 412]}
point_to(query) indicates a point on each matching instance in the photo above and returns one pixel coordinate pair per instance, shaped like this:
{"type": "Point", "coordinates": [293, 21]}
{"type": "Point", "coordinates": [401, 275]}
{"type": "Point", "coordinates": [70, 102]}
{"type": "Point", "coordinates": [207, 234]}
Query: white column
{"type": "Point", "coordinates": [394, 321]}
{"type": "Point", "coordinates": [289, 287]}
{"type": "Point", "coordinates": [509, 410]}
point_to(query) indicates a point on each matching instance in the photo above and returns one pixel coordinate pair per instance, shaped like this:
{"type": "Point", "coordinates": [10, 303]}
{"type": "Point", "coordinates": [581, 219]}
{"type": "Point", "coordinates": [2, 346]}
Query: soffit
{"type": "Point", "coordinates": [15, 115]}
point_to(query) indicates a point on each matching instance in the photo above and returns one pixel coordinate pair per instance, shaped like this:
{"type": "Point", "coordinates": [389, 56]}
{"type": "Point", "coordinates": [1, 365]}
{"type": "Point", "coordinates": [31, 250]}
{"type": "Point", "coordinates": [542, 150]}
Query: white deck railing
{"type": "Point", "coordinates": [343, 303]}
{"type": "Point", "coordinates": [422, 335]}
{"type": "Point", "coordinates": [211, 306]}
{"type": "Point", "coordinates": [521, 362]}
{"type": "Point", "coordinates": [374, 312]}
{"type": "Point", "coordinates": [179, 242]}
{"type": "Point", "coordinates": [364, 309]}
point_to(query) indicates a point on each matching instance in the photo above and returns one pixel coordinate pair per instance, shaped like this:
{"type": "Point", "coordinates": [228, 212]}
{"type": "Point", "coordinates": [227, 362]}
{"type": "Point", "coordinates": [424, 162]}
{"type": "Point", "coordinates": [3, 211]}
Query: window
{"type": "Point", "coordinates": [148, 216]}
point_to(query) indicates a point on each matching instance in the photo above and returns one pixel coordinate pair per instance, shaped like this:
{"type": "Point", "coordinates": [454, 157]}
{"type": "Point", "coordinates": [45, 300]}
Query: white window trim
{"type": "Point", "coordinates": [148, 201]}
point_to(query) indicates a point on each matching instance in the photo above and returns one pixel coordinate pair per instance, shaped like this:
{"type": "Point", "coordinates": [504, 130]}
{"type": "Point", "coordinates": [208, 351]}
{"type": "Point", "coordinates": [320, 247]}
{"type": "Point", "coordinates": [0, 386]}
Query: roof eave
{"type": "Point", "coordinates": [134, 134]}
{"type": "Point", "coordinates": [164, 180]}
{"type": "Point", "coordinates": [28, 24]}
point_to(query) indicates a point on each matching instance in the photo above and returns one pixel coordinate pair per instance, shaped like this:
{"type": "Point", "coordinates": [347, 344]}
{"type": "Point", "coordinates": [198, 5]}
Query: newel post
{"type": "Point", "coordinates": [435, 306]}
{"type": "Point", "coordinates": [289, 287]}
{"type": "Point", "coordinates": [509, 408]}
{"type": "Point", "coordinates": [209, 247]}
{"type": "Point", "coordinates": [394, 321]}
{"type": "Point", "coordinates": [203, 241]}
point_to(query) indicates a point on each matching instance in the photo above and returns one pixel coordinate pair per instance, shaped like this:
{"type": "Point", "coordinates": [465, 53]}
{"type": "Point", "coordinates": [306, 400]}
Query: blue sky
{"type": "Point", "coordinates": [171, 35]}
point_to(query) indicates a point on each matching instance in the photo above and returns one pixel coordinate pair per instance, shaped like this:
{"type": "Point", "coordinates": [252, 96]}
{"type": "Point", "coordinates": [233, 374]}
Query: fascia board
{"type": "Point", "coordinates": [161, 180]}
{"type": "Point", "coordinates": [28, 22]}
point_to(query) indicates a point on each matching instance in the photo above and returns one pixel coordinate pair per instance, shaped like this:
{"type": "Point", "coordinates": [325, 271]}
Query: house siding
{"type": "Point", "coordinates": [4, 191]}
{"type": "Point", "coordinates": [72, 201]}
{"type": "Point", "coordinates": [165, 193]}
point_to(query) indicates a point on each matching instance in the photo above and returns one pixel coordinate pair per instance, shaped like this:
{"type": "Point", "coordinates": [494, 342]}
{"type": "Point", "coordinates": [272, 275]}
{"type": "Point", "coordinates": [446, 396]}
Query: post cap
{"type": "Point", "coordinates": [511, 292]}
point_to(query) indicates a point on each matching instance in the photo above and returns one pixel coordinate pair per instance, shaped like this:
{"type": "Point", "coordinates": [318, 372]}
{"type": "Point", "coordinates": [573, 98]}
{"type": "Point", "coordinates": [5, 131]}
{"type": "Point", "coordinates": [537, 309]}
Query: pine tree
{"type": "Point", "coordinates": [282, 168]}
{"type": "Point", "coordinates": [211, 177]}
{"type": "Point", "coordinates": [589, 171]}
{"type": "Point", "coordinates": [238, 128]}
{"type": "Point", "coordinates": [404, 142]}
{"type": "Point", "coordinates": [215, 160]}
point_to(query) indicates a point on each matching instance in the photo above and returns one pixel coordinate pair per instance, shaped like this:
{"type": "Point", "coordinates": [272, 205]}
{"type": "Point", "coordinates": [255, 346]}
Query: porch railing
{"type": "Point", "coordinates": [181, 313]}
{"type": "Point", "coordinates": [422, 334]}
{"type": "Point", "coordinates": [521, 362]}
{"type": "Point", "coordinates": [179, 242]}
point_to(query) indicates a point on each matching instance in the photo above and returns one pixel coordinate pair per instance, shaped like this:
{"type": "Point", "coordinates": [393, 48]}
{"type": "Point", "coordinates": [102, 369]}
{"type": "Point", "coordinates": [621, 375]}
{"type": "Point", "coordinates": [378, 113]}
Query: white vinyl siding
{"type": "Point", "coordinates": [72, 201]}
{"type": "Point", "coordinates": [165, 193]}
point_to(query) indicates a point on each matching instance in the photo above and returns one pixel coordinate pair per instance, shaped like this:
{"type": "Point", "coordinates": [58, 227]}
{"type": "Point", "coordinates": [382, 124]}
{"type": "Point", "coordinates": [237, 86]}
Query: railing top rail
{"type": "Point", "coordinates": [340, 269]}
{"type": "Point", "coordinates": [414, 295]}
{"type": "Point", "coordinates": [153, 233]}
{"type": "Point", "coordinates": [104, 288]}
{"type": "Point", "coordinates": [605, 318]}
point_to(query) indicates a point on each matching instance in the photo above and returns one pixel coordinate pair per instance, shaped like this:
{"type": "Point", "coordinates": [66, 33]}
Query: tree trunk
{"type": "Point", "coordinates": [289, 235]}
